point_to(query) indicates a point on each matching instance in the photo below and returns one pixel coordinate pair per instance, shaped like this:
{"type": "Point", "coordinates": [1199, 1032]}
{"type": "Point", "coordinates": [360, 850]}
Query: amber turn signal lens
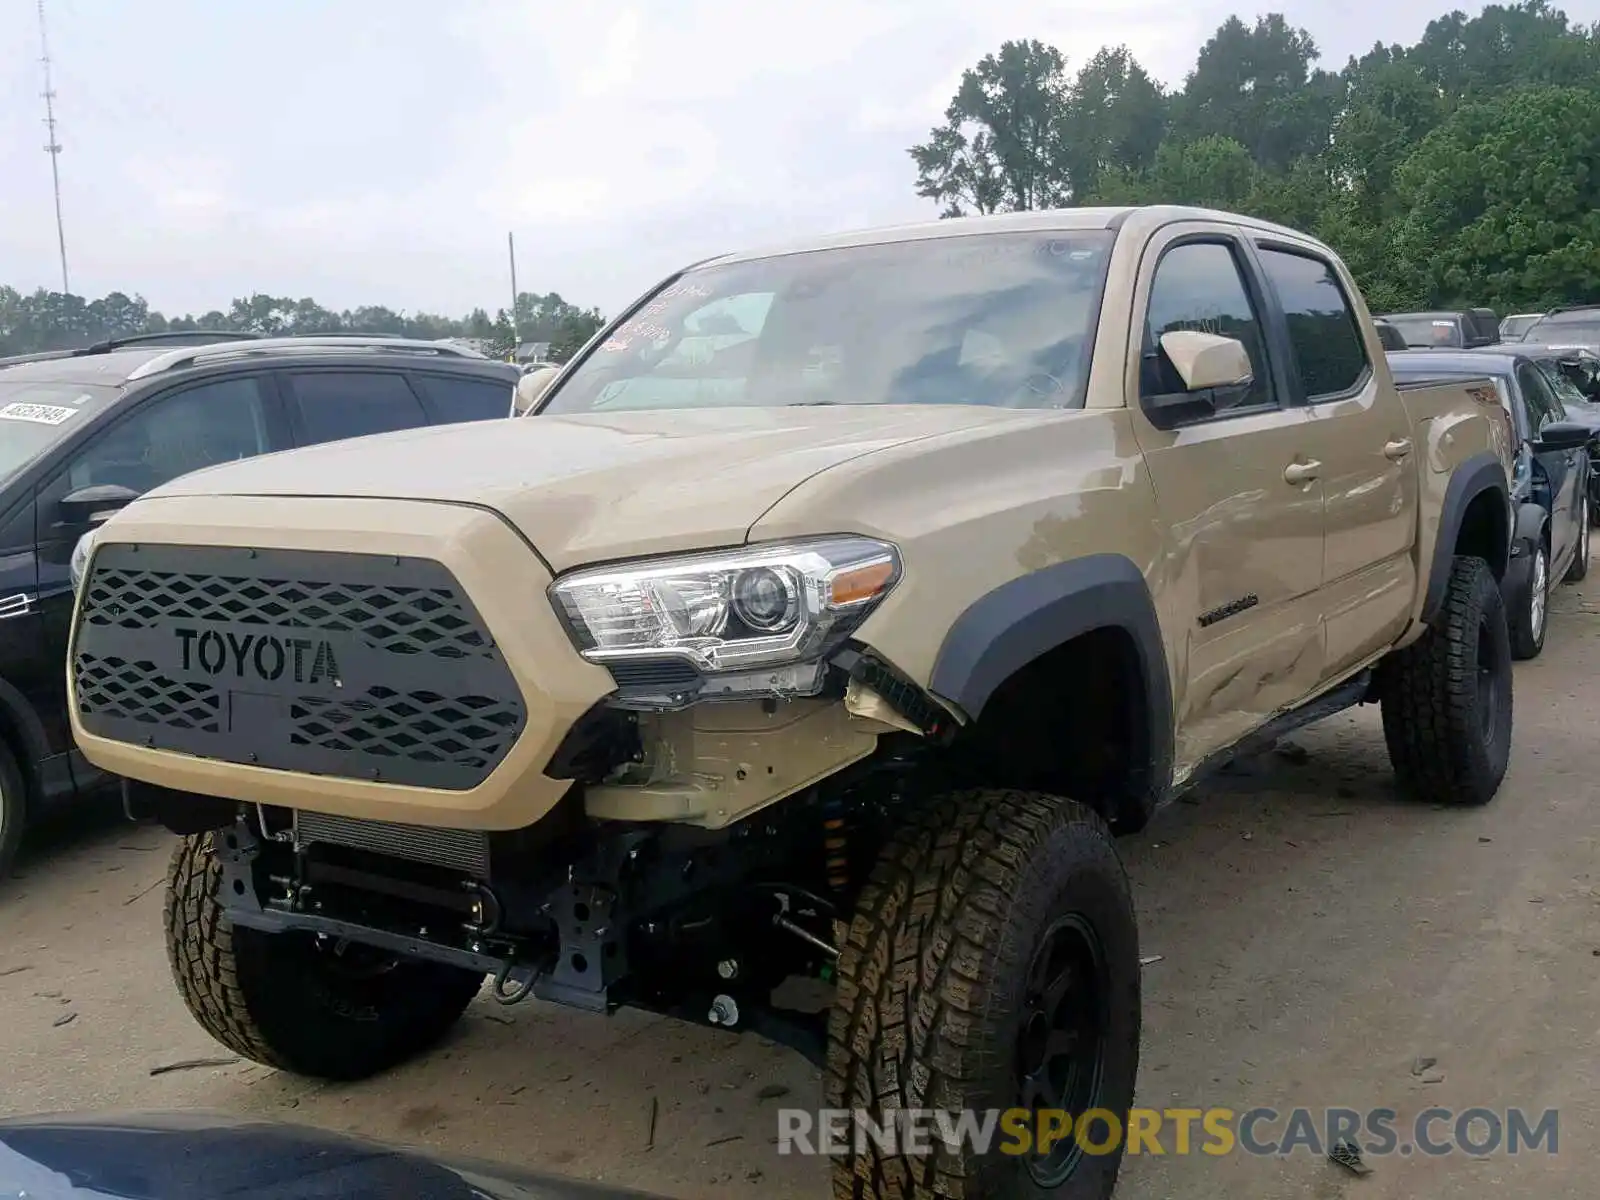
{"type": "Point", "coordinates": [855, 584]}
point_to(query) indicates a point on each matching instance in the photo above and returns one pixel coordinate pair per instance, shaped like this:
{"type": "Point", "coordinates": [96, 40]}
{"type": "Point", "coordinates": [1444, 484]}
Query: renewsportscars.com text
{"type": "Point", "coordinates": [1264, 1132]}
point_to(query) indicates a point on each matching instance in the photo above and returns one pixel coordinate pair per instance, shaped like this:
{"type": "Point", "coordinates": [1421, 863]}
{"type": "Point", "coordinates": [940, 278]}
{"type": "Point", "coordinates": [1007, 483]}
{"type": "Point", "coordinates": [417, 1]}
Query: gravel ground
{"type": "Point", "coordinates": [1317, 936]}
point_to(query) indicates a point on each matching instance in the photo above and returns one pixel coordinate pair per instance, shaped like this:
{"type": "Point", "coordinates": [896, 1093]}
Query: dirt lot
{"type": "Point", "coordinates": [1317, 936]}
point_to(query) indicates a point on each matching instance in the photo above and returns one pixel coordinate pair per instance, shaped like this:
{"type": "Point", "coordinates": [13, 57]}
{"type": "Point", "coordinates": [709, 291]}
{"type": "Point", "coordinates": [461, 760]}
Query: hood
{"type": "Point", "coordinates": [594, 487]}
{"type": "Point", "coordinates": [196, 1156]}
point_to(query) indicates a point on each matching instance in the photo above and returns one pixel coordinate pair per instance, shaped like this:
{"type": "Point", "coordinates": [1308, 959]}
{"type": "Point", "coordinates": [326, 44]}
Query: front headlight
{"type": "Point", "coordinates": [80, 557]}
{"type": "Point", "coordinates": [736, 610]}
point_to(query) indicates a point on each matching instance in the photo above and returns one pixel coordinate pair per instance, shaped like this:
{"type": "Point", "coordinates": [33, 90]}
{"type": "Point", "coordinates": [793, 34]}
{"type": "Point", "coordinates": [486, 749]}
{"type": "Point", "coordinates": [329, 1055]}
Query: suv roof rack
{"type": "Point", "coordinates": [193, 337]}
{"type": "Point", "coordinates": [1566, 308]}
{"type": "Point", "coordinates": [198, 337]}
{"type": "Point", "coordinates": [191, 356]}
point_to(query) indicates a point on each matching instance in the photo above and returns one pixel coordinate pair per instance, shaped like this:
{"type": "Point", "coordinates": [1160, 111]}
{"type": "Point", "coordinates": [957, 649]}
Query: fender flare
{"type": "Point", "coordinates": [18, 718]}
{"type": "Point", "coordinates": [1021, 620]}
{"type": "Point", "coordinates": [1481, 473]}
{"type": "Point", "coordinates": [1531, 520]}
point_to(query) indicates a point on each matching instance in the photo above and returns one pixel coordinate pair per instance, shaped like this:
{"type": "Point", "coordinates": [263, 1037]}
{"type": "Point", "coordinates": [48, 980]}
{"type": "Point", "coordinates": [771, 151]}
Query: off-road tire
{"type": "Point", "coordinates": [275, 998]}
{"type": "Point", "coordinates": [1579, 569]}
{"type": "Point", "coordinates": [1527, 623]}
{"type": "Point", "coordinates": [931, 983]}
{"type": "Point", "coordinates": [1449, 741]}
{"type": "Point", "coordinates": [13, 808]}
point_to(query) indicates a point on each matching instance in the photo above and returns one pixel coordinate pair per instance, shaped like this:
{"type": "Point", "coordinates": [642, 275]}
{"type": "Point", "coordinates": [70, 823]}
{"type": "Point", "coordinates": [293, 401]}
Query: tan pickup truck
{"type": "Point", "coordinates": [833, 609]}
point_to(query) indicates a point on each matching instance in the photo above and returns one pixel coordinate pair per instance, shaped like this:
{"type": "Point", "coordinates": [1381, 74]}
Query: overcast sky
{"type": "Point", "coordinates": [377, 151]}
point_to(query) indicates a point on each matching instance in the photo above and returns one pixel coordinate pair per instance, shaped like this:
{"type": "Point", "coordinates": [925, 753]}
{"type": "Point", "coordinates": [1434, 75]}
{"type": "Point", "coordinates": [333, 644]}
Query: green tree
{"type": "Point", "coordinates": [1256, 85]}
{"type": "Point", "coordinates": [1502, 203]}
{"type": "Point", "coordinates": [999, 148]}
{"type": "Point", "coordinates": [1506, 46]}
{"type": "Point", "coordinates": [1114, 120]}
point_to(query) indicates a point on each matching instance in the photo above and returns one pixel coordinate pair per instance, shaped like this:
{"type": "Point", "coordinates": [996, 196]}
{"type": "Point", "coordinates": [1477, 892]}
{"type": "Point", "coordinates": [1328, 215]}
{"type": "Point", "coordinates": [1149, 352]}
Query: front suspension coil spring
{"type": "Point", "coordinates": [836, 845]}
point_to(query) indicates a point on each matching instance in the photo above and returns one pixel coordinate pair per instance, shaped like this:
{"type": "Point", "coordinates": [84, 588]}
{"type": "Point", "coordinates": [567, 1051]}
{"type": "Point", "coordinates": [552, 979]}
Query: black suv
{"type": "Point", "coordinates": [84, 432]}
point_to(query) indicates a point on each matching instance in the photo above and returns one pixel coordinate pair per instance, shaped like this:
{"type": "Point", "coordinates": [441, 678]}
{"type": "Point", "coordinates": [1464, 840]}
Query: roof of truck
{"type": "Point", "coordinates": [1034, 221]}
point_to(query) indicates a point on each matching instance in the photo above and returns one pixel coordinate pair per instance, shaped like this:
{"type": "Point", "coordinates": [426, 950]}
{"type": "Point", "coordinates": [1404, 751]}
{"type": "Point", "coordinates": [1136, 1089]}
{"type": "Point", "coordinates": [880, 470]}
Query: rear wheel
{"type": "Point", "coordinates": [313, 1006]}
{"type": "Point", "coordinates": [1447, 696]}
{"type": "Point", "coordinates": [13, 808]}
{"type": "Point", "coordinates": [992, 963]}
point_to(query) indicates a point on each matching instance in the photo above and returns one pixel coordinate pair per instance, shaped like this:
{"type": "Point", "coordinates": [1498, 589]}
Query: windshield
{"type": "Point", "coordinates": [1427, 331]}
{"type": "Point", "coordinates": [1512, 328]}
{"type": "Point", "coordinates": [1567, 329]}
{"type": "Point", "coordinates": [36, 414]}
{"type": "Point", "coordinates": [994, 319]}
{"type": "Point", "coordinates": [1560, 383]}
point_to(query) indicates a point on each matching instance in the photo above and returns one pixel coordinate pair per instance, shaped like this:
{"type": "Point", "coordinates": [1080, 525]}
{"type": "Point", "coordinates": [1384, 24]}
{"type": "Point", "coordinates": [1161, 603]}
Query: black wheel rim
{"type": "Point", "coordinates": [1489, 668]}
{"type": "Point", "coordinates": [1061, 1037]}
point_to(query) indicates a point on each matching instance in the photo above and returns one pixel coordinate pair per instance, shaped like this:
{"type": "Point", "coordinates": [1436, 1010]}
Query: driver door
{"type": "Point", "coordinates": [1240, 494]}
{"type": "Point", "coordinates": [168, 435]}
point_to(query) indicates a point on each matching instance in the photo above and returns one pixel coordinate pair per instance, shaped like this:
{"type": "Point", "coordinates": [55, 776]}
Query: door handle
{"type": "Point", "coordinates": [1298, 472]}
{"type": "Point", "coordinates": [1395, 451]}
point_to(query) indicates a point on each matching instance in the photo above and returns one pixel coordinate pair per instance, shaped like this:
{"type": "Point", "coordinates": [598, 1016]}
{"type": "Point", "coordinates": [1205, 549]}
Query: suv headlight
{"type": "Point", "coordinates": [80, 557]}
{"type": "Point", "coordinates": [751, 608]}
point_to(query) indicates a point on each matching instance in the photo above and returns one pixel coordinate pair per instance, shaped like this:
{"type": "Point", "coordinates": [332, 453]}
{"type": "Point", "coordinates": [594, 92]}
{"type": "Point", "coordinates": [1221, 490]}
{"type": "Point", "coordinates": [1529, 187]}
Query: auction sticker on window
{"type": "Point", "coordinates": [39, 414]}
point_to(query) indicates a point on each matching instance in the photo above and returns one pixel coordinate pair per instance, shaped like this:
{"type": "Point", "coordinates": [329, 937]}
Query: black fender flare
{"type": "Point", "coordinates": [1531, 520]}
{"type": "Point", "coordinates": [20, 724]}
{"type": "Point", "coordinates": [1021, 620]}
{"type": "Point", "coordinates": [1481, 473]}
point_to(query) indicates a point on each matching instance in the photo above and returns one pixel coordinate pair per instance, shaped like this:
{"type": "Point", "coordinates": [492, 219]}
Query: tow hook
{"type": "Point", "coordinates": [513, 983]}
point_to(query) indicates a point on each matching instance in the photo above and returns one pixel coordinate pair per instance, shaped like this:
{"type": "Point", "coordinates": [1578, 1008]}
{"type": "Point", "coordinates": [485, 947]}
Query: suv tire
{"type": "Point", "coordinates": [287, 1001]}
{"type": "Point", "coordinates": [1532, 613]}
{"type": "Point", "coordinates": [1447, 696]}
{"type": "Point", "coordinates": [1580, 561]}
{"type": "Point", "coordinates": [13, 808]}
{"type": "Point", "coordinates": [997, 931]}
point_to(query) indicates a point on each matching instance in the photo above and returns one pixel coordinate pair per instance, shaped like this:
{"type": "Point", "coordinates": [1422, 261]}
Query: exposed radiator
{"type": "Point", "coordinates": [465, 850]}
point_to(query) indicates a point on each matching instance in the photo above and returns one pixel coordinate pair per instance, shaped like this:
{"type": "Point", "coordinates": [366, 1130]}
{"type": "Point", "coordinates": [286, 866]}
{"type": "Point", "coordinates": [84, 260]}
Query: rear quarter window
{"type": "Point", "coordinates": [456, 398]}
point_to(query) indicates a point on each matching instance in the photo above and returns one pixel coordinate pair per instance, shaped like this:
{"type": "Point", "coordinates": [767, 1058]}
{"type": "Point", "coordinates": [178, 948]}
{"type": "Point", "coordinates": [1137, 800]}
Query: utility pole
{"type": "Point", "coordinates": [511, 251]}
{"type": "Point", "coordinates": [53, 147]}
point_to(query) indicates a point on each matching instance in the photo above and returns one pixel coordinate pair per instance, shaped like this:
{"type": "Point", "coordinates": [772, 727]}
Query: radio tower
{"type": "Point", "coordinates": [53, 147]}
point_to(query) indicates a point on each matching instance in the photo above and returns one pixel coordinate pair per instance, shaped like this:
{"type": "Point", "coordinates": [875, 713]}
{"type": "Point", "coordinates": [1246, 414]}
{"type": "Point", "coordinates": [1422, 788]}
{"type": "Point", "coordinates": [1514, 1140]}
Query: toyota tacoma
{"type": "Point", "coordinates": [827, 617]}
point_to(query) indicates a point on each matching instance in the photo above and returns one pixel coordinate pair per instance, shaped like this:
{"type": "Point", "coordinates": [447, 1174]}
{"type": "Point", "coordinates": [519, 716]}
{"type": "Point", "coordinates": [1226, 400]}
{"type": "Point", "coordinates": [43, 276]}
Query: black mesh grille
{"type": "Point", "coordinates": [404, 619]}
{"type": "Point", "coordinates": [362, 666]}
{"type": "Point", "coordinates": [137, 691]}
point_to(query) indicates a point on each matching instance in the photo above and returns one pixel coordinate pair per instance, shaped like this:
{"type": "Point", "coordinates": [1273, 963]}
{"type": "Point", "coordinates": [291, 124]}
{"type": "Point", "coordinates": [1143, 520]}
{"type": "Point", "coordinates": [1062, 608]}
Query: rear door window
{"type": "Point", "coordinates": [1329, 352]}
{"type": "Point", "coordinates": [332, 405]}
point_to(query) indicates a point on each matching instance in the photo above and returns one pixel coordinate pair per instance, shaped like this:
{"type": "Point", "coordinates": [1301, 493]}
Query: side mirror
{"type": "Point", "coordinates": [531, 388]}
{"type": "Point", "coordinates": [1216, 375]}
{"type": "Point", "coordinates": [1563, 435]}
{"type": "Point", "coordinates": [92, 505]}
{"type": "Point", "coordinates": [1205, 361]}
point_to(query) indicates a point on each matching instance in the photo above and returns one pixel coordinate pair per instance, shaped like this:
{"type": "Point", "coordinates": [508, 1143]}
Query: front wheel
{"type": "Point", "coordinates": [1447, 696]}
{"type": "Point", "coordinates": [316, 1007]}
{"type": "Point", "coordinates": [992, 964]}
{"type": "Point", "coordinates": [1529, 618]}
